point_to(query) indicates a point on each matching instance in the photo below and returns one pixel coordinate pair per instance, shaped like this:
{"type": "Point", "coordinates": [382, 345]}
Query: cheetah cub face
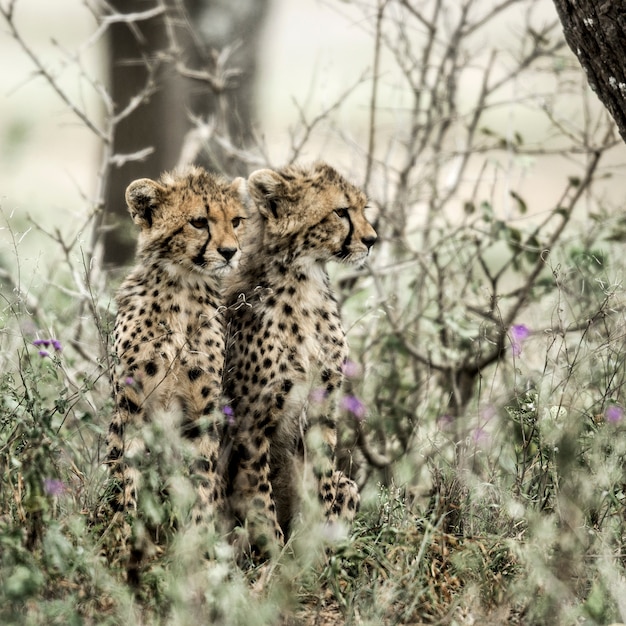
{"type": "Point", "coordinates": [315, 211]}
{"type": "Point", "coordinates": [189, 223]}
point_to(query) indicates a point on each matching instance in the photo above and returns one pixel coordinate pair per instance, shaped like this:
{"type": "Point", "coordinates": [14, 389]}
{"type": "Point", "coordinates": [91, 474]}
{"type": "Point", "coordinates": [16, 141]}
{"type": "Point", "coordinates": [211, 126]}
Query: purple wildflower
{"type": "Point", "coordinates": [46, 343]}
{"type": "Point", "coordinates": [43, 353]}
{"type": "Point", "coordinates": [445, 422]}
{"type": "Point", "coordinates": [229, 413]}
{"type": "Point", "coordinates": [487, 413]}
{"type": "Point", "coordinates": [480, 436]}
{"type": "Point", "coordinates": [53, 487]}
{"type": "Point", "coordinates": [614, 414]}
{"type": "Point", "coordinates": [519, 333]}
{"type": "Point", "coordinates": [353, 405]}
{"type": "Point", "coordinates": [350, 369]}
{"type": "Point", "coordinates": [129, 381]}
{"type": "Point", "coordinates": [318, 395]}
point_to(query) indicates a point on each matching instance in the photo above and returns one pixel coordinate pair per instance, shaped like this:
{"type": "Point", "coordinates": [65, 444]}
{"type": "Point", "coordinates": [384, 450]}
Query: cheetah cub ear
{"type": "Point", "coordinates": [266, 187]}
{"type": "Point", "coordinates": [143, 196]}
{"type": "Point", "coordinates": [240, 186]}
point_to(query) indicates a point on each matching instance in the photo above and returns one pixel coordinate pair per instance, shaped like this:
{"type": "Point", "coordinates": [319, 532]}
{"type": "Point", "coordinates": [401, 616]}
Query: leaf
{"type": "Point", "coordinates": [533, 249]}
{"type": "Point", "coordinates": [514, 237]}
{"type": "Point", "coordinates": [487, 210]}
{"type": "Point", "coordinates": [521, 204]}
{"type": "Point", "coordinates": [499, 228]}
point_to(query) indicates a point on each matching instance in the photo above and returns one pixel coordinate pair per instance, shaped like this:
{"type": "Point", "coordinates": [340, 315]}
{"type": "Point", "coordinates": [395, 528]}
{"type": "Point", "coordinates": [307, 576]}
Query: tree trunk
{"type": "Point", "coordinates": [158, 123]}
{"type": "Point", "coordinates": [595, 31]}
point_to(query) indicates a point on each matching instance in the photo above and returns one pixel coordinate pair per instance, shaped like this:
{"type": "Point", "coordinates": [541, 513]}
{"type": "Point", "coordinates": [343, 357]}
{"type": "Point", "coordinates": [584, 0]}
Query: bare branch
{"type": "Point", "coordinates": [309, 126]}
{"type": "Point", "coordinates": [7, 13]}
{"type": "Point", "coordinates": [374, 458]}
{"type": "Point", "coordinates": [117, 160]}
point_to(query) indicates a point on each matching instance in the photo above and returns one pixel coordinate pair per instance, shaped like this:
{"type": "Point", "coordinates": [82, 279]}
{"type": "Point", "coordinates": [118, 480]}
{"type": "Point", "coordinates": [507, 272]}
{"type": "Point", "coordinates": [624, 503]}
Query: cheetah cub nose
{"type": "Point", "coordinates": [369, 241]}
{"type": "Point", "coordinates": [227, 253]}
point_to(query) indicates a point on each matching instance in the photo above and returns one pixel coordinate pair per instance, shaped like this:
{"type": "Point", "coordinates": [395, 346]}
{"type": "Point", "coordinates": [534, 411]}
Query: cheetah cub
{"type": "Point", "coordinates": [169, 329]}
{"type": "Point", "coordinates": [286, 349]}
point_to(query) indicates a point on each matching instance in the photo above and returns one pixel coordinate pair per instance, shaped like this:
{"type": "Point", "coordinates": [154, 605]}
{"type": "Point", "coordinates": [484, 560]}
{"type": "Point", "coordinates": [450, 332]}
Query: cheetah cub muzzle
{"type": "Point", "coordinates": [286, 350]}
{"type": "Point", "coordinates": [169, 337]}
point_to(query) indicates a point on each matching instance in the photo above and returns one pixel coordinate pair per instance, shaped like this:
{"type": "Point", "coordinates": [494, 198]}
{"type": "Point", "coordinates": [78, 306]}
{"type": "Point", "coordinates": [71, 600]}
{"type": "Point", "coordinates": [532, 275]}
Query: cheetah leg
{"type": "Point", "coordinates": [320, 444]}
{"type": "Point", "coordinates": [340, 497]}
{"type": "Point", "coordinates": [253, 504]}
{"type": "Point", "coordinates": [338, 494]}
{"type": "Point", "coordinates": [202, 428]}
{"type": "Point", "coordinates": [123, 445]}
{"type": "Point", "coordinates": [209, 489]}
{"type": "Point", "coordinates": [139, 387]}
{"type": "Point", "coordinates": [135, 390]}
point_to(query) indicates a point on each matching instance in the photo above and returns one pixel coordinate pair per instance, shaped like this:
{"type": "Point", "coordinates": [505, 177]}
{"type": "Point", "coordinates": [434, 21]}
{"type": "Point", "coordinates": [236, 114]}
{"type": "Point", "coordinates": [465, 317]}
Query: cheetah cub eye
{"type": "Point", "coordinates": [343, 213]}
{"type": "Point", "coordinates": [200, 223]}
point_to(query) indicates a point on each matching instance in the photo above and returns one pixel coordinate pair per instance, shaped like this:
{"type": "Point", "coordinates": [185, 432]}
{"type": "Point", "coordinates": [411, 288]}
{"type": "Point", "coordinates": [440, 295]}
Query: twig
{"type": "Point", "coordinates": [375, 459]}
{"type": "Point", "coordinates": [374, 94]}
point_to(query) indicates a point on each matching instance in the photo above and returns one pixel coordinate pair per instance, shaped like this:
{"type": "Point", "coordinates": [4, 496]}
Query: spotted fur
{"type": "Point", "coordinates": [286, 349]}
